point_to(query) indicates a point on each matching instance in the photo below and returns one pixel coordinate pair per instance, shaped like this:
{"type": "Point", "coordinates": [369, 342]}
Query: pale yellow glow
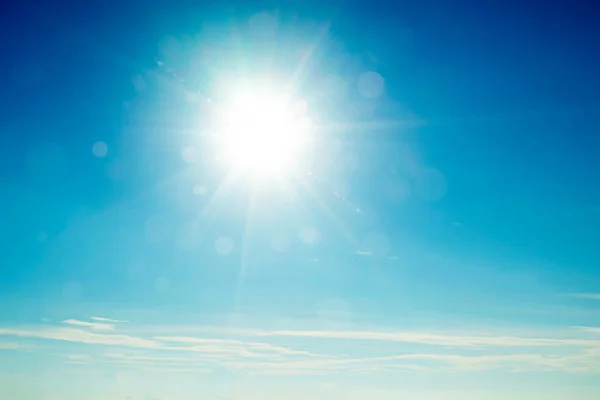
{"type": "Point", "coordinates": [263, 132]}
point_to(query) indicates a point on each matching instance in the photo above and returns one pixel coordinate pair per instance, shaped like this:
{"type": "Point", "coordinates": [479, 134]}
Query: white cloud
{"type": "Point", "coordinates": [585, 362]}
{"type": "Point", "coordinates": [78, 357]}
{"type": "Point", "coordinates": [102, 319]}
{"type": "Point", "coordinates": [591, 296]}
{"type": "Point", "coordinates": [589, 329]}
{"type": "Point", "coordinates": [444, 352]}
{"type": "Point", "coordinates": [251, 349]}
{"type": "Point", "coordinates": [9, 346]}
{"type": "Point", "coordinates": [79, 336]}
{"type": "Point", "coordinates": [432, 338]}
{"type": "Point", "coordinates": [211, 346]}
{"type": "Point", "coordinates": [92, 325]}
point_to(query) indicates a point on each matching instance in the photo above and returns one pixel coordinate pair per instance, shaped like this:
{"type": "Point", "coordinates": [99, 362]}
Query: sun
{"type": "Point", "coordinates": [263, 131]}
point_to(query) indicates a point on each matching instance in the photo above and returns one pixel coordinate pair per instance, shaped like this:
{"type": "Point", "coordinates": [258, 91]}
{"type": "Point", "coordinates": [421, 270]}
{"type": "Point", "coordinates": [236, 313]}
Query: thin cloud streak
{"type": "Point", "coordinates": [261, 347]}
{"type": "Point", "coordinates": [9, 346]}
{"type": "Point", "coordinates": [590, 329]}
{"type": "Point", "coordinates": [252, 357]}
{"type": "Point", "coordinates": [217, 348]}
{"type": "Point", "coordinates": [432, 339]}
{"type": "Point", "coordinates": [80, 336]}
{"type": "Point", "coordinates": [590, 296]}
{"type": "Point", "coordinates": [102, 319]}
{"type": "Point", "coordinates": [92, 325]}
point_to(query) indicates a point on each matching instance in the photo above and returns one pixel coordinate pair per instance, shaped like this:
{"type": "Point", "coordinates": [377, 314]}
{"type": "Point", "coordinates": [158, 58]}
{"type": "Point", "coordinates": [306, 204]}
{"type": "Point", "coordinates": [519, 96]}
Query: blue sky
{"type": "Point", "coordinates": [438, 240]}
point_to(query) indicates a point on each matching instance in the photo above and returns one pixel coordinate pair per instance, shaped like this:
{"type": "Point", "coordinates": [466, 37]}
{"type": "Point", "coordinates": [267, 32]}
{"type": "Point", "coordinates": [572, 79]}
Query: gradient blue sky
{"type": "Point", "coordinates": [440, 243]}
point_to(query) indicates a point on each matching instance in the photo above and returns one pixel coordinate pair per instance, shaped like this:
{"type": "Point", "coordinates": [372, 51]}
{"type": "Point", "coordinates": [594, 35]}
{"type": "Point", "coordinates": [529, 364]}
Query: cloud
{"type": "Point", "coordinates": [432, 338]}
{"type": "Point", "coordinates": [590, 296]}
{"type": "Point", "coordinates": [211, 346]}
{"type": "Point", "coordinates": [155, 362]}
{"type": "Point", "coordinates": [585, 361]}
{"type": "Point", "coordinates": [92, 325]}
{"type": "Point", "coordinates": [581, 362]}
{"type": "Point", "coordinates": [354, 353]}
{"type": "Point", "coordinates": [9, 346]}
{"type": "Point", "coordinates": [589, 329]}
{"type": "Point", "coordinates": [102, 319]}
{"type": "Point", "coordinates": [251, 349]}
{"type": "Point", "coordinates": [80, 336]}
{"type": "Point", "coordinates": [144, 358]}
{"type": "Point", "coordinates": [78, 359]}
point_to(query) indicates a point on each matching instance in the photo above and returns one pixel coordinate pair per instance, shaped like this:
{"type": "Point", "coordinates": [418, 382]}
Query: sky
{"type": "Point", "coordinates": [436, 240]}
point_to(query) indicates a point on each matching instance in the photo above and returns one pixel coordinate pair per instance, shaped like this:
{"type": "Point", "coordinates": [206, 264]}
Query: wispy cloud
{"type": "Point", "coordinates": [209, 346]}
{"type": "Point", "coordinates": [240, 350]}
{"type": "Point", "coordinates": [137, 361]}
{"type": "Point", "coordinates": [102, 319]}
{"type": "Point", "coordinates": [590, 329]}
{"type": "Point", "coordinates": [9, 346]}
{"type": "Point", "coordinates": [432, 338]}
{"type": "Point", "coordinates": [93, 325]}
{"type": "Point", "coordinates": [79, 336]}
{"type": "Point", "coordinates": [251, 349]}
{"type": "Point", "coordinates": [78, 359]}
{"type": "Point", "coordinates": [590, 296]}
{"type": "Point", "coordinates": [586, 361]}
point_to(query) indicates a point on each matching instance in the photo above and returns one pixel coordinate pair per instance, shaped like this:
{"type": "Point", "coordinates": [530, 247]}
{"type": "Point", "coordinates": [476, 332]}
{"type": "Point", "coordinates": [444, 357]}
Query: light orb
{"type": "Point", "coordinates": [263, 132]}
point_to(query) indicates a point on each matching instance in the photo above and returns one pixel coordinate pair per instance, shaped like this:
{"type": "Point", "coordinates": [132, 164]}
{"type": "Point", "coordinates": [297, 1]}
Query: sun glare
{"type": "Point", "coordinates": [263, 132]}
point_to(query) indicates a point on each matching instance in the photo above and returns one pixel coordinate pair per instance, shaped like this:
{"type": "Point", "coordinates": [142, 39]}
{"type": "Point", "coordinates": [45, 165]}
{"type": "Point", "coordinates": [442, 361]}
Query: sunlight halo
{"type": "Point", "coordinates": [263, 131]}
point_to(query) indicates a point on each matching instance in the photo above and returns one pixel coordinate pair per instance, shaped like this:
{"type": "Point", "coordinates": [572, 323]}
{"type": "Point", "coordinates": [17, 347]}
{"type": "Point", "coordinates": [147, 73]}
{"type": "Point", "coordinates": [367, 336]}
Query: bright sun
{"type": "Point", "coordinates": [263, 131]}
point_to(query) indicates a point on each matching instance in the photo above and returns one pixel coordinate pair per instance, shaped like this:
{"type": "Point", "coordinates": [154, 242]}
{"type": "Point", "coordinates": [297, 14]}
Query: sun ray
{"type": "Point", "coordinates": [348, 236]}
{"type": "Point", "coordinates": [369, 127]}
{"type": "Point", "coordinates": [305, 63]}
{"type": "Point", "coordinates": [244, 256]}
